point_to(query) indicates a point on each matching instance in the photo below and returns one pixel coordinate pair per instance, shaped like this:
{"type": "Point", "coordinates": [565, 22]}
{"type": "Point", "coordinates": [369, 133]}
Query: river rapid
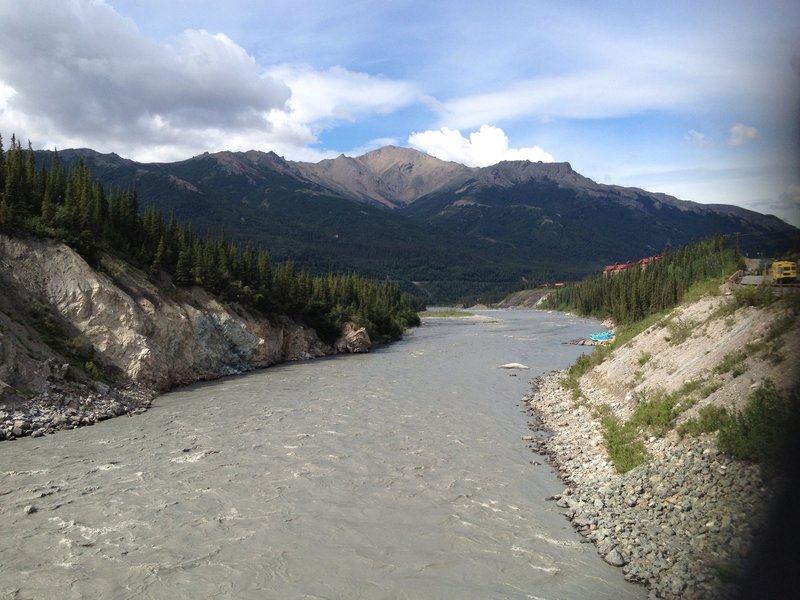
{"type": "Point", "coordinates": [397, 474]}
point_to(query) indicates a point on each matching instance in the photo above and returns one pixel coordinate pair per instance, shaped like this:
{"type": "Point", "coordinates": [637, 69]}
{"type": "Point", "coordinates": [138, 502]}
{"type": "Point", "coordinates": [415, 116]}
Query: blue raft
{"type": "Point", "coordinates": [602, 337]}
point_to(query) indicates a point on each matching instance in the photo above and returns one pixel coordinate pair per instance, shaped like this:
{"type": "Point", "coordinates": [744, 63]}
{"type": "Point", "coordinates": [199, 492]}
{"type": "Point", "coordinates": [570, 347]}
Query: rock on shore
{"type": "Point", "coordinates": [681, 524]}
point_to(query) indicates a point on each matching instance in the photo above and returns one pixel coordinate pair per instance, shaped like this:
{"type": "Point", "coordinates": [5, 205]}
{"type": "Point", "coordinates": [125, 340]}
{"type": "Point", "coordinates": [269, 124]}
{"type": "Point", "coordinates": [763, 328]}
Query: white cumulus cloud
{"type": "Point", "coordinates": [487, 146]}
{"type": "Point", "coordinates": [741, 134]}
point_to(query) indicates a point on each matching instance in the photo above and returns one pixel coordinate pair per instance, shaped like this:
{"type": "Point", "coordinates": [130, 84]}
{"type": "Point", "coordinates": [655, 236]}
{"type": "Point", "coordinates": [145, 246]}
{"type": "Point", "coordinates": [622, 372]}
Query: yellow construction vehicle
{"type": "Point", "coordinates": [783, 271]}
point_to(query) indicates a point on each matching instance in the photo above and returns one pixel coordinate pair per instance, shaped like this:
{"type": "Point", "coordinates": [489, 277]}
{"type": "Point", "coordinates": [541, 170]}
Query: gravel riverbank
{"type": "Point", "coordinates": [681, 524]}
{"type": "Point", "coordinates": [71, 406]}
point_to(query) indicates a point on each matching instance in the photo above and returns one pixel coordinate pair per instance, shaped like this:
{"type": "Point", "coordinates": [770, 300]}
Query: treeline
{"type": "Point", "coordinates": [633, 294]}
{"type": "Point", "coordinates": [66, 204]}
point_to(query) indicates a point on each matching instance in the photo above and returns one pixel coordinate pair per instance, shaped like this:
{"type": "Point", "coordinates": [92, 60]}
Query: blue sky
{"type": "Point", "coordinates": [697, 99]}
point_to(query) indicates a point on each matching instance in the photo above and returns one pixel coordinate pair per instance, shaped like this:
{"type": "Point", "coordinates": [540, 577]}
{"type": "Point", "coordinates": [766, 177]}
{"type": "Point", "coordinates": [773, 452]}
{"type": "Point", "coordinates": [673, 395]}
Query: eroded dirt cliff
{"type": "Point", "coordinates": [79, 344]}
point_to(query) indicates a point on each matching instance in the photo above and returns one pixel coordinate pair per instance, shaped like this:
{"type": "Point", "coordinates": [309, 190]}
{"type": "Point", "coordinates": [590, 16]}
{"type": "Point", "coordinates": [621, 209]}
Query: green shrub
{"type": "Point", "coordinates": [79, 349]}
{"type": "Point", "coordinates": [656, 414]}
{"type": "Point", "coordinates": [709, 418]}
{"type": "Point", "coordinates": [733, 362]}
{"type": "Point", "coordinates": [624, 449]}
{"type": "Point", "coordinates": [571, 384]}
{"type": "Point", "coordinates": [95, 372]}
{"type": "Point", "coordinates": [753, 296]}
{"type": "Point", "coordinates": [644, 358]}
{"type": "Point", "coordinates": [709, 388]}
{"type": "Point", "coordinates": [680, 330]}
{"type": "Point", "coordinates": [757, 432]}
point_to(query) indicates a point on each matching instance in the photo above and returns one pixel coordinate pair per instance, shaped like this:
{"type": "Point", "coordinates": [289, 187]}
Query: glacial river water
{"type": "Point", "coordinates": [397, 474]}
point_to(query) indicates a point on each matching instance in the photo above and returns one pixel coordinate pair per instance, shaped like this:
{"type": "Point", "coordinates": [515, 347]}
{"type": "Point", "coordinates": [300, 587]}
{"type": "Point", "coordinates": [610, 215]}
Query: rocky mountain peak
{"type": "Point", "coordinates": [392, 176]}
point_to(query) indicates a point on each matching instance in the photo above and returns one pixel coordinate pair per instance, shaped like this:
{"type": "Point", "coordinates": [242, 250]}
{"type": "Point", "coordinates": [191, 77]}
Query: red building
{"type": "Point", "coordinates": [618, 267]}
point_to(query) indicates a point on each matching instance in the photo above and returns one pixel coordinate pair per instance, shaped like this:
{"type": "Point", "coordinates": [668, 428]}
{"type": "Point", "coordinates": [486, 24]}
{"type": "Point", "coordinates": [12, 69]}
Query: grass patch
{"type": "Point", "coordinates": [628, 331]}
{"type": "Point", "coordinates": [581, 366]}
{"type": "Point", "coordinates": [571, 384]}
{"type": "Point", "coordinates": [705, 287]}
{"type": "Point", "coordinates": [587, 361]}
{"type": "Point", "coordinates": [644, 358]}
{"type": "Point", "coordinates": [780, 326]}
{"type": "Point", "coordinates": [709, 388]}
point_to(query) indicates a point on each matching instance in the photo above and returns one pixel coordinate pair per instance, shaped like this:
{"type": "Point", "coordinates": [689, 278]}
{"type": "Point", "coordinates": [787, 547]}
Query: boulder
{"type": "Point", "coordinates": [353, 339]}
{"type": "Point", "coordinates": [615, 558]}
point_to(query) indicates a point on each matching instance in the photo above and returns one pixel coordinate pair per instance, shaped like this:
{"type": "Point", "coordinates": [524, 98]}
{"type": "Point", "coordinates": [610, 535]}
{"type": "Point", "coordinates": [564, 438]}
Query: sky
{"type": "Point", "coordinates": [698, 99]}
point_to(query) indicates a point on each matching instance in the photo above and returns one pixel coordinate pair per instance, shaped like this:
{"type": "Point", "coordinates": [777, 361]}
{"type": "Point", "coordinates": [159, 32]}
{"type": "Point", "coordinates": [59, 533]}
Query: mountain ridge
{"type": "Point", "coordinates": [459, 232]}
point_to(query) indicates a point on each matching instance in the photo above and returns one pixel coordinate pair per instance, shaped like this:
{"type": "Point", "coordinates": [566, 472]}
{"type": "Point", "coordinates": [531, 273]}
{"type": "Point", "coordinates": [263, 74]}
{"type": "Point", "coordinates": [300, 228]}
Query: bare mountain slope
{"type": "Point", "coordinates": [392, 176]}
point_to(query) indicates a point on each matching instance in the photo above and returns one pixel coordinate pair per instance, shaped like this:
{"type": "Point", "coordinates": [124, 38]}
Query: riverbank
{"type": "Point", "coordinates": [398, 473]}
{"type": "Point", "coordinates": [683, 522]}
{"type": "Point", "coordinates": [79, 345]}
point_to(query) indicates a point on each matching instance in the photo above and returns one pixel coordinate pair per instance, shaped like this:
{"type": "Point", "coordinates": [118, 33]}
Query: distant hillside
{"type": "Point", "coordinates": [448, 231]}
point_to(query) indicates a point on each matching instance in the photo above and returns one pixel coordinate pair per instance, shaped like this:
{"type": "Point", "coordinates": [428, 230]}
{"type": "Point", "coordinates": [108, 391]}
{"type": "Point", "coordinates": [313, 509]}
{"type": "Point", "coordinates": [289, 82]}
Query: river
{"type": "Point", "coordinates": [397, 474]}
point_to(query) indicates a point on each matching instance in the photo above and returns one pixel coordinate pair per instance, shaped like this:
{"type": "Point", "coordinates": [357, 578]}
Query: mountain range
{"type": "Point", "coordinates": [443, 229]}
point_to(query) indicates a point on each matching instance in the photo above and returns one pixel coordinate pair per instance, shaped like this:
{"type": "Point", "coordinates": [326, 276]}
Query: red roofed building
{"type": "Point", "coordinates": [619, 267]}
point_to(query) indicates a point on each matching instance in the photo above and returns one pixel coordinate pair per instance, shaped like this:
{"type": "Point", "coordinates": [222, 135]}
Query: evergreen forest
{"type": "Point", "coordinates": [631, 295]}
{"type": "Point", "coordinates": [68, 205]}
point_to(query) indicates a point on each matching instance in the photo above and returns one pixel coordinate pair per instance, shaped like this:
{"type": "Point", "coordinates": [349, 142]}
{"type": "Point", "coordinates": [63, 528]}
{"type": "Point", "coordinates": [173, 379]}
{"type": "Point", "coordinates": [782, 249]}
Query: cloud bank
{"type": "Point", "coordinates": [487, 146]}
{"type": "Point", "coordinates": [77, 73]}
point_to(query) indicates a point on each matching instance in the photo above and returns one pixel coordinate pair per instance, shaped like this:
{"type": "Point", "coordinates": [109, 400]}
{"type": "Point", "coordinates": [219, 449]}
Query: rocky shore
{"type": "Point", "coordinates": [67, 405]}
{"type": "Point", "coordinates": [79, 406]}
{"type": "Point", "coordinates": [681, 524]}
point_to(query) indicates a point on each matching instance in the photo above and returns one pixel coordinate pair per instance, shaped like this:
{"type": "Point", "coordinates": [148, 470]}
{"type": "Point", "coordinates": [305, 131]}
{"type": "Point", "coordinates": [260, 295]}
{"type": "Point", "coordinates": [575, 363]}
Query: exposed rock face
{"type": "Point", "coordinates": [354, 339]}
{"type": "Point", "coordinates": [151, 341]}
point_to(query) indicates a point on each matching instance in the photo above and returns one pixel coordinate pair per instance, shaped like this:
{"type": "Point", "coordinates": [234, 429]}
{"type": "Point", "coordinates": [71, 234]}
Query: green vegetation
{"type": "Point", "coordinates": [583, 364]}
{"type": "Point", "coordinates": [656, 413]}
{"type": "Point", "coordinates": [734, 362]}
{"type": "Point", "coordinates": [450, 313]}
{"type": "Point", "coordinates": [625, 450]}
{"type": "Point", "coordinates": [454, 246]}
{"type": "Point", "coordinates": [67, 205]}
{"type": "Point", "coordinates": [680, 330]}
{"type": "Point", "coordinates": [634, 294]}
{"type": "Point", "coordinates": [759, 431]}
{"type": "Point", "coordinates": [768, 346]}
{"type": "Point", "coordinates": [756, 433]}
{"type": "Point", "coordinates": [639, 300]}
{"type": "Point", "coordinates": [709, 418]}
{"type": "Point", "coordinates": [78, 350]}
